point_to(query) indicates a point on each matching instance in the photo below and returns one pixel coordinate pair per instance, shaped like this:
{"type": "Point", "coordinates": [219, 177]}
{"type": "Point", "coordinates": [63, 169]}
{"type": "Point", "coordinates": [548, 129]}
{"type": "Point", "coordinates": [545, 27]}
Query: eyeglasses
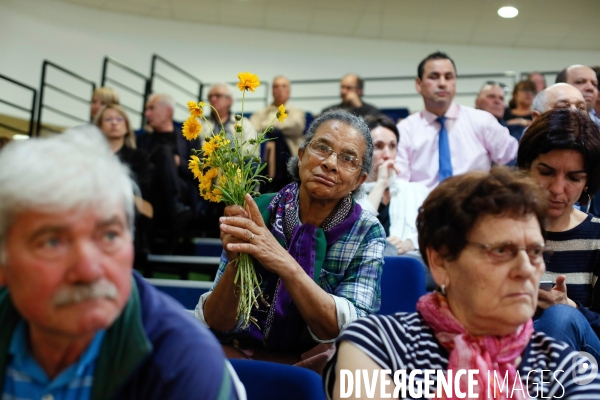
{"type": "Point", "coordinates": [345, 160]}
{"type": "Point", "coordinates": [216, 95]}
{"type": "Point", "coordinates": [109, 120]}
{"type": "Point", "coordinates": [507, 251]}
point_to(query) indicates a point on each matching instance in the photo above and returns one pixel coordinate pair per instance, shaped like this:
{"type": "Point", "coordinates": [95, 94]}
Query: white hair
{"type": "Point", "coordinates": [540, 102]}
{"type": "Point", "coordinates": [227, 87]}
{"type": "Point", "coordinates": [71, 171]}
{"type": "Point", "coordinates": [163, 98]}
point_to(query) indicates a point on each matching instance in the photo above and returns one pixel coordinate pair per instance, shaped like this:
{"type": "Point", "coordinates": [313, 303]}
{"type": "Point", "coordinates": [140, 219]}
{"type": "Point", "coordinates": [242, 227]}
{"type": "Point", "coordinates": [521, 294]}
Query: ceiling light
{"type": "Point", "coordinates": [19, 136]}
{"type": "Point", "coordinates": [508, 12]}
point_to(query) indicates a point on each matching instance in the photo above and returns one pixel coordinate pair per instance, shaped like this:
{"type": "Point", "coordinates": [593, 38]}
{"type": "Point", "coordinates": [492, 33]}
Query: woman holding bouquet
{"type": "Point", "coordinates": [317, 254]}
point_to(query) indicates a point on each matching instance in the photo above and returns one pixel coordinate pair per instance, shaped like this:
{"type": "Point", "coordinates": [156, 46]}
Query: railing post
{"type": "Point", "coordinates": [41, 102]}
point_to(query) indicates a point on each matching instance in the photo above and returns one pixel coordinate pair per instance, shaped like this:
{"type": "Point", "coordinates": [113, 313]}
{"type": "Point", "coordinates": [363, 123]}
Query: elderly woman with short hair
{"type": "Point", "coordinates": [481, 234]}
{"type": "Point", "coordinates": [320, 255]}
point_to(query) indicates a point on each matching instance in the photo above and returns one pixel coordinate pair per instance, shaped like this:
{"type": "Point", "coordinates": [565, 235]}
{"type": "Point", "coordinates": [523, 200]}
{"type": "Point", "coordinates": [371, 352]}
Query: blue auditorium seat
{"type": "Point", "coordinates": [402, 283]}
{"type": "Point", "coordinates": [272, 381]}
{"type": "Point", "coordinates": [395, 113]}
{"type": "Point", "coordinates": [185, 292]}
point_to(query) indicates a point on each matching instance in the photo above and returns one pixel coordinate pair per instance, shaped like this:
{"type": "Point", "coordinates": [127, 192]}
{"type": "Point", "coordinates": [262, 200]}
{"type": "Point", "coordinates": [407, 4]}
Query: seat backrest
{"type": "Point", "coordinates": [272, 381]}
{"type": "Point", "coordinates": [402, 283]}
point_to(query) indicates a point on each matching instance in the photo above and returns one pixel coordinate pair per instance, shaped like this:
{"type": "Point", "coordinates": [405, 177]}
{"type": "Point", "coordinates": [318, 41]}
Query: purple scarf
{"type": "Point", "coordinates": [280, 321]}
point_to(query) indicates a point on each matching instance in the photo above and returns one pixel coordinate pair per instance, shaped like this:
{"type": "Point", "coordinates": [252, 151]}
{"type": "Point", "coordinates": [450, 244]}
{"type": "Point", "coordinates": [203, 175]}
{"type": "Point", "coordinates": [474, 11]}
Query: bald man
{"type": "Point", "coordinates": [559, 95]}
{"type": "Point", "coordinates": [583, 78]}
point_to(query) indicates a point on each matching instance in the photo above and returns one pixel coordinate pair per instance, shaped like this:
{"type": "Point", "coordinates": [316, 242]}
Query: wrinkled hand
{"type": "Point", "coordinates": [246, 233]}
{"type": "Point", "coordinates": [384, 171]}
{"type": "Point", "coordinates": [353, 99]}
{"type": "Point", "coordinates": [558, 294]}
{"type": "Point", "coordinates": [403, 246]}
{"type": "Point", "coordinates": [227, 238]}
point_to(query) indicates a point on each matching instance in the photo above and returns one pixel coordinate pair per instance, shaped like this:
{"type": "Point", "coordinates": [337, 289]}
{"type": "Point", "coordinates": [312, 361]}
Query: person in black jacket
{"type": "Point", "coordinates": [114, 124]}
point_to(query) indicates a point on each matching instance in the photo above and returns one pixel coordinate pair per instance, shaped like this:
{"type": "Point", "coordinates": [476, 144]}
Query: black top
{"type": "Point", "coordinates": [139, 164]}
{"type": "Point", "coordinates": [508, 115]}
{"type": "Point", "coordinates": [384, 217]}
{"type": "Point", "coordinates": [362, 111]}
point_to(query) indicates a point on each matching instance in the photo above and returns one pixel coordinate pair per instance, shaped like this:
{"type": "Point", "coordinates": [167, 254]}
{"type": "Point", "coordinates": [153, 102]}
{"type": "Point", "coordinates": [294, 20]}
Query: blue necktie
{"type": "Point", "coordinates": [444, 150]}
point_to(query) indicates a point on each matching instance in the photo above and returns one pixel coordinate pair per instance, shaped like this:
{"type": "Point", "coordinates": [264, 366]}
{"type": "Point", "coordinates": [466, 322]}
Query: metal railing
{"type": "Point", "coordinates": [44, 85]}
{"type": "Point", "coordinates": [30, 111]}
{"type": "Point", "coordinates": [172, 86]}
{"type": "Point", "coordinates": [391, 89]}
{"type": "Point", "coordinates": [120, 80]}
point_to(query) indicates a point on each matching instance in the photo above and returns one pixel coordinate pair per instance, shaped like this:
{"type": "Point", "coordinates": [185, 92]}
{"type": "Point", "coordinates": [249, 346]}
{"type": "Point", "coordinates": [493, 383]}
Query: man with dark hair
{"type": "Point", "coordinates": [459, 138]}
{"type": "Point", "coordinates": [585, 79]}
{"type": "Point", "coordinates": [351, 91]}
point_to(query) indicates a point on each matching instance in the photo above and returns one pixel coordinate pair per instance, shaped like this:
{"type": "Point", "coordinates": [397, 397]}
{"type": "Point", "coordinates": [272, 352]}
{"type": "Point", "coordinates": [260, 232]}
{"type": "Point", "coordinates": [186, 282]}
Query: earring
{"type": "Point", "coordinates": [350, 196]}
{"type": "Point", "coordinates": [443, 290]}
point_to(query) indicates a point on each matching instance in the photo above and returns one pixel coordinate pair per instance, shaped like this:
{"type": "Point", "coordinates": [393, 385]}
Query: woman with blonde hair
{"type": "Point", "coordinates": [101, 97]}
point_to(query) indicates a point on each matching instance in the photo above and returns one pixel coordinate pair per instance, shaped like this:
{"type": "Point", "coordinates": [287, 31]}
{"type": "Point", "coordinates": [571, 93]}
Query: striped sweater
{"type": "Point", "coordinates": [576, 254]}
{"type": "Point", "coordinates": [404, 341]}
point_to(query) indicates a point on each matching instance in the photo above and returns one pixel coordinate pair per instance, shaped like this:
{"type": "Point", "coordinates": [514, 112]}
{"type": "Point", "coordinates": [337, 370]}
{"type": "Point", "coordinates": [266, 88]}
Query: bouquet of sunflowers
{"type": "Point", "coordinates": [227, 171]}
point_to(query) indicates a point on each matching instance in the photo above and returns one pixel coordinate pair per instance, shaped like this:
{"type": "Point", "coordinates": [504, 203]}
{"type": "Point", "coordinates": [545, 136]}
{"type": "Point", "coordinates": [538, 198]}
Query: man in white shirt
{"type": "Point", "coordinates": [456, 138]}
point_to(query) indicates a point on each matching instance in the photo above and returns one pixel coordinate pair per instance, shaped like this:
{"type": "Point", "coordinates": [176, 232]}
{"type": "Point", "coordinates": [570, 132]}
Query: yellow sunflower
{"type": "Point", "coordinates": [196, 109]}
{"type": "Point", "coordinates": [247, 81]}
{"type": "Point", "coordinates": [194, 166]}
{"type": "Point", "coordinates": [209, 147]}
{"type": "Point", "coordinates": [191, 128]}
{"type": "Point", "coordinates": [281, 115]}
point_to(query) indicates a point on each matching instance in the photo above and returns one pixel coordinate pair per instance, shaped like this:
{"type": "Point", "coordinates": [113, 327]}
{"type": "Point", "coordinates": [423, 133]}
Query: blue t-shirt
{"type": "Point", "coordinates": [25, 379]}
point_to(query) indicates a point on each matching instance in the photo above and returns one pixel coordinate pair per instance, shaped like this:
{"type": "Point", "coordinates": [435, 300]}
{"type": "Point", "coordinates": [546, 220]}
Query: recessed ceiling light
{"type": "Point", "coordinates": [508, 12]}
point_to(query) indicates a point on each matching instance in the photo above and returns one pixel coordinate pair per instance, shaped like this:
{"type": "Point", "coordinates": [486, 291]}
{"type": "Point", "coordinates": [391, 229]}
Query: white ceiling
{"type": "Point", "coordinates": [552, 24]}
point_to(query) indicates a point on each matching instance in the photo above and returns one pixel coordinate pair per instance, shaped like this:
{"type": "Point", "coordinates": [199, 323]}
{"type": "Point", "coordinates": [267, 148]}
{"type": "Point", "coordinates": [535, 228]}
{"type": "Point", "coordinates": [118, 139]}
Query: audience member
{"type": "Point", "coordinates": [561, 151]}
{"type": "Point", "coordinates": [221, 97]}
{"type": "Point", "coordinates": [101, 97]}
{"type": "Point", "coordinates": [114, 124]}
{"type": "Point", "coordinates": [460, 138]}
{"type": "Point", "coordinates": [395, 202]}
{"type": "Point", "coordinates": [539, 79]}
{"type": "Point", "coordinates": [351, 92]}
{"type": "Point", "coordinates": [319, 254]}
{"type": "Point", "coordinates": [596, 110]}
{"type": "Point", "coordinates": [491, 99]}
{"type": "Point", "coordinates": [169, 152]}
{"type": "Point", "coordinates": [286, 136]}
{"type": "Point", "coordinates": [518, 111]}
{"type": "Point", "coordinates": [585, 79]}
{"type": "Point", "coordinates": [559, 95]}
{"type": "Point", "coordinates": [481, 234]}
{"type": "Point", "coordinates": [76, 324]}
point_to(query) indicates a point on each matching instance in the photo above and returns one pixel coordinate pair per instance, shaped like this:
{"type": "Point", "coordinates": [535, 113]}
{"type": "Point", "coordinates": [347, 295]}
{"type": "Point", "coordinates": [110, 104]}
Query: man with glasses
{"type": "Point", "coordinates": [351, 91]}
{"type": "Point", "coordinates": [446, 139]}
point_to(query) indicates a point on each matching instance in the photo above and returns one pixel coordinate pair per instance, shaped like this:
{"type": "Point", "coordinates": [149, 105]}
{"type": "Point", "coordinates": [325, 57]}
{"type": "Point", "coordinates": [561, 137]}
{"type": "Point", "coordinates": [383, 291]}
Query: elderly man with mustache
{"type": "Point", "coordinates": [75, 322]}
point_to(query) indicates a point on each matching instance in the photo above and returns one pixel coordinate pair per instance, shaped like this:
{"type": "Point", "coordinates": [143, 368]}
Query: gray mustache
{"type": "Point", "coordinates": [81, 292]}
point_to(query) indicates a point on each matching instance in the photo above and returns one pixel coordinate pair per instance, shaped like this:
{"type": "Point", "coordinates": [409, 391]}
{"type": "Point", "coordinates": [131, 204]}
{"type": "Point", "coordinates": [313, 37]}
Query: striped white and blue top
{"type": "Point", "coordinates": [404, 341]}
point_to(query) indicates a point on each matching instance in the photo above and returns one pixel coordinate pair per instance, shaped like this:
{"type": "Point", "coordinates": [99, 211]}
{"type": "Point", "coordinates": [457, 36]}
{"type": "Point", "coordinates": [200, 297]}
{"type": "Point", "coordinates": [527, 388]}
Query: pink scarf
{"type": "Point", "coordinates": [488, 354]}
